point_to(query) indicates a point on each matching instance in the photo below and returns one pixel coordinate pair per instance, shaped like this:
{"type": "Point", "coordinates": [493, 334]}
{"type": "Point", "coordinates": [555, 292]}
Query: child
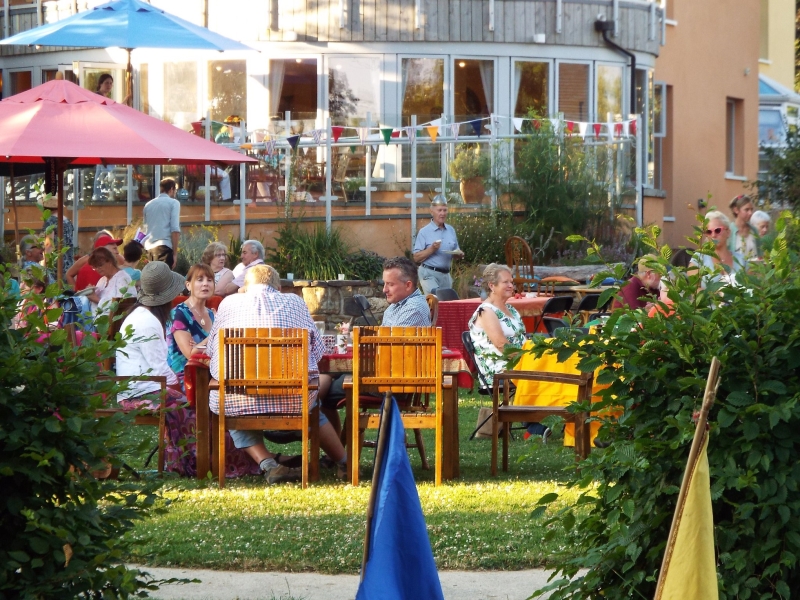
{"type": "Point", "coordinates": [132, 253]}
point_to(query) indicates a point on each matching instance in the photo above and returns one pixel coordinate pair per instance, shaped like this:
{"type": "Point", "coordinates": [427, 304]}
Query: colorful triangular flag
{"type": "Point", "coordinates": [362, 134]}
{"type": "Point", "coordinates": [518, 124]}
{"type": "Point", "coordinates": [433, 131]}
{"type": "Point", "coordinates": [476, 126]}
{"type": "Point", "coordinates": [597, 127]}
{"type": "Point", "coordinates": [582, 127]}
{"type": "Point", "coordinates": [293, 139]}
{"type": "Point", "coordinates": [454, 130]}
{"type": "Point", "coordinates": [336, 133]}
{"type": "Point", "coordinates": [386, 132]}
{"type": "Point", "coordinates": [317, 135]}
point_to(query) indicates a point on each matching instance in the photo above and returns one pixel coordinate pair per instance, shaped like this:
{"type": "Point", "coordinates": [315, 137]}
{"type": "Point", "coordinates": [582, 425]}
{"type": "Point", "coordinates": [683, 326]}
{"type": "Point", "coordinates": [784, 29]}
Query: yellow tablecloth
{"type": "Point", "coordinates": [541, 393]}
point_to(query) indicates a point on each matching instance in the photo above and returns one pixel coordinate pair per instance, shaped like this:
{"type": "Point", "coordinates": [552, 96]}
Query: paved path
{"type": "Point", "coordinates": [230, 585]}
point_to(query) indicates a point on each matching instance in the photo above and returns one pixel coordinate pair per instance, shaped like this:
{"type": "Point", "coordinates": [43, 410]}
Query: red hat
{"type": "Point", "coordinates": [105, 240]}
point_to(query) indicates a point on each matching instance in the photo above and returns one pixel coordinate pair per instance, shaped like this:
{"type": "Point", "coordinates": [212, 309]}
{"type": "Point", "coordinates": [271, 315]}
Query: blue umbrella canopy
{"type": "Point", "coordinates": [125, 24]}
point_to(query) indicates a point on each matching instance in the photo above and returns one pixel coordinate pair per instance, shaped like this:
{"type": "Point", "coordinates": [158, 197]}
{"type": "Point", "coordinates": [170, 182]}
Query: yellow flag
{"type": "Point", "coordinates": [689, 570]}
{"type": "Point", "coordinates": [433, 131]}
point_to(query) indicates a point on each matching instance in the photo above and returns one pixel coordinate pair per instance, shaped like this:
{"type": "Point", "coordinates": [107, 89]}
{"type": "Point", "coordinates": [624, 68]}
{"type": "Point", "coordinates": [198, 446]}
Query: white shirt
{"type": "Point", "coordinates": [144, 354]}
{"type": "Point", "coordinates": [120, 286]}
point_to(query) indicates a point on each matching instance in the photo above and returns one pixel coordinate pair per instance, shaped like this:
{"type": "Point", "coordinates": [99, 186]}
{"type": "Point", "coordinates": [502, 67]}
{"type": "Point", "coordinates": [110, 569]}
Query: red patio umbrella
{"type": "Point", "coordinates": [59, 125]}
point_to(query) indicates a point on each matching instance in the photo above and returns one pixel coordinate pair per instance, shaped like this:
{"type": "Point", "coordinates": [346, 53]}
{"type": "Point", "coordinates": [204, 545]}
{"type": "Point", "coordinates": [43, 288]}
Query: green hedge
{"type": "Point", "coordinates": [63, 531]}
{"type": "Point", "coordinates": [656, 368]}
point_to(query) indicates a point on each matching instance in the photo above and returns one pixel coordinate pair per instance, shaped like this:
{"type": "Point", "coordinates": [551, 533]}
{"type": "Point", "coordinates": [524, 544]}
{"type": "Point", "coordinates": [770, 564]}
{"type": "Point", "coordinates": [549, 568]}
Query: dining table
{"type": "Point", "coordinates": [454, 316]}
{"type": "Point", "coordinates": [454, 365]}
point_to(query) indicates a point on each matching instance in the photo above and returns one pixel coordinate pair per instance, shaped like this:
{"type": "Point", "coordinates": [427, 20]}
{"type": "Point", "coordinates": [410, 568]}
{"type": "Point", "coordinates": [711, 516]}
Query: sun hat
{"type": "Point", "coordinates": [105, 240]}
{"type": "Point", "coordinates": [159, 284]}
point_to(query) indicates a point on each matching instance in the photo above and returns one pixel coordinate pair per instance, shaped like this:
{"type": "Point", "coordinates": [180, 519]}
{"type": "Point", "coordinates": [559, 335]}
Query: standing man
{"type": "Point", "coordinates": [434, 248]}
{"type": "Point", "coordinates": [252, 255]}
{"type": "Point", "coordinates": [162, 222]}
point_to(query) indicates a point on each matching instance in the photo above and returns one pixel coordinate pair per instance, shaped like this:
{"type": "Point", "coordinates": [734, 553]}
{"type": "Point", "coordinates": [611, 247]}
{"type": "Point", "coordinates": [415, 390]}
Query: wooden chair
{"type": "Point", "coordinates": [340, 172]}
{"type": "Point", "coordinates": [268, 362]}
{"type": "Point", "coordinates": [397, 360]}
{"type": "Point", "coordinates": [116, 315]}
{"type": "Point", "coordinates": [506, 413]}
{"type": "Point", "coordinates": [433, 305]}
{"type": "Point", "coordinates": [519, 258]}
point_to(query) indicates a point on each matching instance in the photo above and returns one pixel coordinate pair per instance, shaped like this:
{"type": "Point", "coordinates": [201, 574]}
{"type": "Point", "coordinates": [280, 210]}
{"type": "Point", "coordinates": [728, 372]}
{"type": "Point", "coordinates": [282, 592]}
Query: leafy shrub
{"type": "Point", "coordinates": [63, 530]}
{"type": "Point", "coordinates": [469, 162]}
{"type": "Point", "coordinates": [314, 254]}
{"type": "Point", "coordinates": [482, 235]}
{"type": "Point", "coordinates": [655, 369]}
{"type": "Point", "coordinates": [554, 180]}
{"type": "Point", "coordinates": [365, 265]}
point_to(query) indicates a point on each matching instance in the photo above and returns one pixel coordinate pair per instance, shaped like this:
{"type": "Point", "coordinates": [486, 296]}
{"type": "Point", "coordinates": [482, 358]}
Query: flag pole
{"type": "Point", "coordinates": [712, 383]}
{"type": "Point", "coordinates": [386, 417]}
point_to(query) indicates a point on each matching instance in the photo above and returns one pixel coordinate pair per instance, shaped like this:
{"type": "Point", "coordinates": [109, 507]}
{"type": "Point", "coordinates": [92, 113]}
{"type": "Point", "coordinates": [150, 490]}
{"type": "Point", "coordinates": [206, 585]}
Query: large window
{"type": "Point", "coordinates": [531, 88]}
{"type": "Point", "coordinates": [573, 91]}
{"type": "Point", "coordinates": [423, 95]}
{"type": "Point", "coordinates": [180, 94]}
{"type": "Point", "coordinates": [473, 88]}
{"type": "Point", "coordinates": [91, 75]}
{"type": "Point", "coordinates": [20, 81]}
{"type": "Point", "coordinates": [609, 93]}
{"type": "Point", "coordinates": [227, 90]}
{"type": "Point", "coordinates": [354, 89]}
{"type": "Point", "coordinates": [293, 87]}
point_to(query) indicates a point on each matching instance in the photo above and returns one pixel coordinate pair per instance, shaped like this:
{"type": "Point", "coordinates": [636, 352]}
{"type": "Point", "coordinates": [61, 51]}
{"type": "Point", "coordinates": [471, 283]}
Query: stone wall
{"type": "Point", "coordinates": [332, 301]}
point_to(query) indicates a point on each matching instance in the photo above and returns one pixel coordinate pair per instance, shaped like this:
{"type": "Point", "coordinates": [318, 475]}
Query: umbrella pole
{"type": "Point", "coordinates": [129, 81]}
{"type": "Point", "coordinates": [14, 204]}
{"type": "Point", "coordinates": [60, 229]}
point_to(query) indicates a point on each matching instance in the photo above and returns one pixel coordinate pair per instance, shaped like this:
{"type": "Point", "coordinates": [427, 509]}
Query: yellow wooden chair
{"type": "Point", "coordinates": [266, 362]}
{"type": "Point", "coordinates": [403, 361]}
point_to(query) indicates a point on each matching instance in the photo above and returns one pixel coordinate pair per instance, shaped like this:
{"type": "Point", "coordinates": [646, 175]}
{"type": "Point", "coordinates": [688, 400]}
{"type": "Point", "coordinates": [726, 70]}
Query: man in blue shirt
{"type": "Point", "coordinates": [407, 307]}
{"type": "Point", "coordinates": [434, 248]}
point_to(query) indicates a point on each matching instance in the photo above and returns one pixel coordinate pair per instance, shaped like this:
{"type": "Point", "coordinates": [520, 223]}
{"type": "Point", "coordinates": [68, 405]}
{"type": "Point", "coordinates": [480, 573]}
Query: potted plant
{"type": "Point", "coordinates": [352, 186]}
{"type": "Point", "coordinates": [471, 167]}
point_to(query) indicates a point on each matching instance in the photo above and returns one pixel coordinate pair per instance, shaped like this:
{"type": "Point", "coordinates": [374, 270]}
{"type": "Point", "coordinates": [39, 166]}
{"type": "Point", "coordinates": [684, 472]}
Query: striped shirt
{"type": "Point", "coordinates": [412, 311]}
{"type": "Point", "coordinates": [262, 306]}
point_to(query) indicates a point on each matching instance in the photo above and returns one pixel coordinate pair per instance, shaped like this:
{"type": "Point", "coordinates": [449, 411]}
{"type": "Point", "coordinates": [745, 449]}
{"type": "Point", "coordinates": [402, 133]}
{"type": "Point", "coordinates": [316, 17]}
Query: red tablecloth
{"type": "Point", "coordinates": [454, 316]}
{"type": "Point", "coordinates": [454, 363]}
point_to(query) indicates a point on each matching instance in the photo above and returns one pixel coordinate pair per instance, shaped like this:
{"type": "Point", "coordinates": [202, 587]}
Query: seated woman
{"type": "Point", "coordinates": [146, 354]}
{"type": "Point", "coordinates": [497, 325]}
{"type": "Point", "coordinates": [641, 289]}
{"type": "Point", "coordinates": [215, 256]}
{"type": "Point", "coordinates": [189, 324]}
{"type": "Point", "coordinates": [114, 282]}
{"type": "Point", "coordinates": [726, 263]}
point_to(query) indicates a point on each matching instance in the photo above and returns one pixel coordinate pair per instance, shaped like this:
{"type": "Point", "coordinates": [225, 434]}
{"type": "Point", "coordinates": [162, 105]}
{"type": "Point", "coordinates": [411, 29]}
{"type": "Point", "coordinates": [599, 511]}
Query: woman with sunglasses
{"type": "Point", "coordinates": [744, 237]}
{"type": "Point", "coordinates": [725, 263]}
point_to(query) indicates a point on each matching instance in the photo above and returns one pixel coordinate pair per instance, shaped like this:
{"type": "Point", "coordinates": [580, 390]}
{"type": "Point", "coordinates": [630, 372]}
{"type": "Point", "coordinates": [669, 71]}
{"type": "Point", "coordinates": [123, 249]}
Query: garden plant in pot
{"type": "Point", "coordinates": [471, 167]}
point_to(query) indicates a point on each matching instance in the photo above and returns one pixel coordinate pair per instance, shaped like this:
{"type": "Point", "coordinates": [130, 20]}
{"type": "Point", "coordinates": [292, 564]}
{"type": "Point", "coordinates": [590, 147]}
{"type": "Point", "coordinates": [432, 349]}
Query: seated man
{"type": "Point", "coordinates": [407, 308]}
{"type": "Point", "coordinates": [252, 255]}
{"type": "Point", "coordinates": [641, 289]}
{"type": "Point", "coordinates": [262, 306]}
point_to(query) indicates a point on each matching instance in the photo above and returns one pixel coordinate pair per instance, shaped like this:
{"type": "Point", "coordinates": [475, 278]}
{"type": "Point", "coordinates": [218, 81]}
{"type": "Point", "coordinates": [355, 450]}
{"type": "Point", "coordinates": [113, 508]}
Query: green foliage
{"type": "Point", "coordinates": [63, 530]}
{"type": "Point", "coordinates": [555, 182]}
{"type": "Point", "coordinates": [781, 182]}
{"type": "Point", "coordinates": [655, 369]}
{"type": "Point", "coordinates": [193, 241]}
{"type": "Point", "coordinates": [364, 264]}
{"type": "Point", "coordinates": [470, 162]}
{"type": "Point", "coordinates": [482, 235]}
{"type": "Point", "coordinates": [314, 254]}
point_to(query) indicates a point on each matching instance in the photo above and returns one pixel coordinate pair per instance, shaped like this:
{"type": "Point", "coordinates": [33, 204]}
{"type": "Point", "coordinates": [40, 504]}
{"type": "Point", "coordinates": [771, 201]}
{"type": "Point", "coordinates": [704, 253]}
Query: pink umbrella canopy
{"type": "Point", "coordinates": [59, 125]}
{"type": "Point", "coordinates": [60, 120]}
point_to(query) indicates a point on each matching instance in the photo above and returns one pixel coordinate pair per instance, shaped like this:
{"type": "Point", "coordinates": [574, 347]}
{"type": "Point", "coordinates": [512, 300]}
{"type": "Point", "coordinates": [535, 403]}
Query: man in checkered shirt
{"type": "Point", "coordinates": [263, 306]}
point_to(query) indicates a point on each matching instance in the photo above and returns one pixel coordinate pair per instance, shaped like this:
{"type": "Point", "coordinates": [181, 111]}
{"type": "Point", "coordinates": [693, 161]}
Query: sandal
{"type": "Point", "coordinates": [293, 462]}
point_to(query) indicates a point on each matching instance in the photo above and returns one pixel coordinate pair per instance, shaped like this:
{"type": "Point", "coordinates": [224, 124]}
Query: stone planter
{"type": "Point", "coordinates": [472, 190]}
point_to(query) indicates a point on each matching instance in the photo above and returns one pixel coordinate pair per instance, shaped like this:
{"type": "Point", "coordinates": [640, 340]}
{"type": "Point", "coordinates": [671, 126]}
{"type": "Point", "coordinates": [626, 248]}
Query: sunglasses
{"type": "Point", "coordinates": [716, 231]}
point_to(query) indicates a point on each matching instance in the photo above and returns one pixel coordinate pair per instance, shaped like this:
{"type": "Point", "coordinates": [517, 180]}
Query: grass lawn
{"type": "Point", "coordinates": [474, 523]}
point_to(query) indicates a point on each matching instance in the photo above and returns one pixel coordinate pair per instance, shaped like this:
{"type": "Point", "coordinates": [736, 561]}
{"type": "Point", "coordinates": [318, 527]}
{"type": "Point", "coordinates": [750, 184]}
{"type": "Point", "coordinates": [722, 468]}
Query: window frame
{"type": "Point", "coordinates": [551, 87]}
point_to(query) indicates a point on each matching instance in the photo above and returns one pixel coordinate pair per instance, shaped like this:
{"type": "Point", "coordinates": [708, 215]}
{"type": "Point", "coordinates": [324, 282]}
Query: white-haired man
{"type": "Point", "coordinates": [252, 255]}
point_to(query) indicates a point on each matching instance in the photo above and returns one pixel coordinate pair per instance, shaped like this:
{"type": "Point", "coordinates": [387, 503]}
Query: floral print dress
{"type": "Point", "coordinates": [182, 422]}
{"type": "Point", "coordinates": [489, 360]}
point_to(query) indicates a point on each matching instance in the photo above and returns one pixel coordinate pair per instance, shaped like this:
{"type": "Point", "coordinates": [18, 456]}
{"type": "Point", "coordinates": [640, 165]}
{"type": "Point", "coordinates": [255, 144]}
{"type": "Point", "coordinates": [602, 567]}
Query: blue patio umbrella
{"type": "Point", "coordinates": [127, 24]}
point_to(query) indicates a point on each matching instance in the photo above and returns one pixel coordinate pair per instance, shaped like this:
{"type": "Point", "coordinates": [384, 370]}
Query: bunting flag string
{"type": "Point", "coordinates": [435, 129]}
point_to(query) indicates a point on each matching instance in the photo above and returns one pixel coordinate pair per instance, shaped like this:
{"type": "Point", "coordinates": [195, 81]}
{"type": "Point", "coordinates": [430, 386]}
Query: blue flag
{"type": "Point", "coordinates": [399, 563]}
